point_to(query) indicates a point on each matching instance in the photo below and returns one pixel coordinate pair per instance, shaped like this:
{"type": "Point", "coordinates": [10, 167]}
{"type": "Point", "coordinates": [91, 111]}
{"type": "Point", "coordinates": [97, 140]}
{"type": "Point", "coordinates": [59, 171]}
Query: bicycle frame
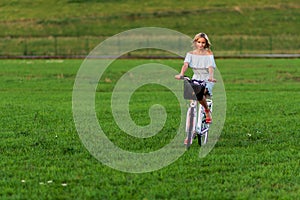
{"type": "Point", "coordinates": [196, 125]}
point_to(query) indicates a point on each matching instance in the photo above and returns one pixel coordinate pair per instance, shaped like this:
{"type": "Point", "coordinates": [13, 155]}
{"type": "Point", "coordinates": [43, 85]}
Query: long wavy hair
{"type": "Point", "coordinates": [201, 35]}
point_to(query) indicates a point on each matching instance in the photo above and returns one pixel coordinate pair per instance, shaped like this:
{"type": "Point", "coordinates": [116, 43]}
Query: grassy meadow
{"type": "Point", "coordinates": [74, 27]}
{"type": "Point", "coordinates": [106, 18]}
{"type": "Point", "coordinates": [42, 157]}
{"type": "Point", "coordinates": [256, 157]}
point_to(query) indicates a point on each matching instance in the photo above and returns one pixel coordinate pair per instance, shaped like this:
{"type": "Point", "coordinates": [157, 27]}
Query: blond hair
{"type": "Point", "coordinates": [201, 35]}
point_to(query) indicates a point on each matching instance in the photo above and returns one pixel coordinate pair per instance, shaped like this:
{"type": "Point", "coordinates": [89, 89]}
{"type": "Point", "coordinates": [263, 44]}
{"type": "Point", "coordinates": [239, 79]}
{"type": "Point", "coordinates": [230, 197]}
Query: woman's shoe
{"type": "Point", "coordinates": [208, 118]}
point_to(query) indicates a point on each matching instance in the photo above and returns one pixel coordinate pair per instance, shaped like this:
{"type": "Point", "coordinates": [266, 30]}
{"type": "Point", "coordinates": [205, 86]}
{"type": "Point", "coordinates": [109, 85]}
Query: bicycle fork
{"type": "Point", "coordinates": [197, 117]}
{"type": "Point", "coordinates": [191, 120]}
{"type": "Point", "coordinates": [191, 117]}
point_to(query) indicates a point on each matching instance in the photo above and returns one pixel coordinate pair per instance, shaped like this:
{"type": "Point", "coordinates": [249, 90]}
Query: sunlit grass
{"type": "Point", "coordinates": [42, 157]}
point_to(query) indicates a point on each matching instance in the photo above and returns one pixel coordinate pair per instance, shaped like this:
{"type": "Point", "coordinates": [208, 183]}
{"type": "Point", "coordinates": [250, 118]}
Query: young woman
{"type": "Point", "coordinates": [201, 61]}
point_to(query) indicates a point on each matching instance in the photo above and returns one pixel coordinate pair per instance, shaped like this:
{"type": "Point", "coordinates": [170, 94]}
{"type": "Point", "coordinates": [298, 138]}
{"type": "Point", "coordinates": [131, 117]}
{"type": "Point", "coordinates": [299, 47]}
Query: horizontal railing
{"type": "Point", "coordinates": [78, 47]}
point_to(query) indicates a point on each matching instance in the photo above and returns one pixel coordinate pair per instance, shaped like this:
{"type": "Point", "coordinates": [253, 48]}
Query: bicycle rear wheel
{"type": "Point", "coordinates": [203, 134]}
{"type": "Point", "coordinates": [203, 137]}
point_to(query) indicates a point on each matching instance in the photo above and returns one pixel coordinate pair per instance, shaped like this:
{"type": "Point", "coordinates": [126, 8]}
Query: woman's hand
{"type": "Point", "coordinates": [178, 76]}
{"type": "Point", "coordinates": [212, 80]}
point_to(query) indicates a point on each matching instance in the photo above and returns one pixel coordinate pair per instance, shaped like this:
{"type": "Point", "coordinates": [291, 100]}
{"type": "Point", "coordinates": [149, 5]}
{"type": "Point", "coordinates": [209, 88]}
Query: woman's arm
{"type": "Point", "coordinates": [211, 74]}
{"type": "Point", "coordinates": [183, 69]}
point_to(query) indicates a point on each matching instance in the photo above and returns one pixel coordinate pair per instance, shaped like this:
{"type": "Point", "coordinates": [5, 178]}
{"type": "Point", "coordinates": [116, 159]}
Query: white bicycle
{"type": "Point", "coordinates": [196, 125]}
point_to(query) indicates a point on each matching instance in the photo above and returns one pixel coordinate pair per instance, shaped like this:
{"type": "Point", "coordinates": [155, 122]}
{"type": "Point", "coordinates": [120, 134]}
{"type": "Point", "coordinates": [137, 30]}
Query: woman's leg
{"type": "Point", "coordinates": [206, 109]}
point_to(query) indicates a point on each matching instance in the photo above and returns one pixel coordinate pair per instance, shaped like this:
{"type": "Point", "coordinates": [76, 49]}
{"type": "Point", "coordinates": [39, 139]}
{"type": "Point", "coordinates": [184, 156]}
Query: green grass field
{"type": "Point", "coordinates": [256, 157]}
{"type": "Point", "coordinates": [106, 18]}
{"type": "Point", "coordinates": [42, 157]}
{"type": "Point", "coordinates": [74, 27]}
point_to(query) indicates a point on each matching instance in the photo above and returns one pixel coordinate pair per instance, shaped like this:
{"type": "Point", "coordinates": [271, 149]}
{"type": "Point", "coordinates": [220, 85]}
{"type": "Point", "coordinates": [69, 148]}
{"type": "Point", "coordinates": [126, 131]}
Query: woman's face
{"type": "Point", "coordinates": [201, 43]}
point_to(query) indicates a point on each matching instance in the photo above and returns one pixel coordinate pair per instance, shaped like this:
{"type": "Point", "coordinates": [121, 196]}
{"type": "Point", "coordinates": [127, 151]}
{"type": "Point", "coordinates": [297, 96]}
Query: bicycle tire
{"type": "Point", "coordinates": [200, 124]}
{"type": "Point", "coordinates": [203, 137]}
{"type": "Point", "coordinates": [199, 139]}
{"type": "Point", "coordinates": [203, 134]}
{"type": "Point", "coordinates": [190, 128]}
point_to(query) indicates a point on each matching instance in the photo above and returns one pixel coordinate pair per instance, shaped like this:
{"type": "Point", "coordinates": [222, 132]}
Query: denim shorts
{"type": "Point", "coordinates": [209, 87]}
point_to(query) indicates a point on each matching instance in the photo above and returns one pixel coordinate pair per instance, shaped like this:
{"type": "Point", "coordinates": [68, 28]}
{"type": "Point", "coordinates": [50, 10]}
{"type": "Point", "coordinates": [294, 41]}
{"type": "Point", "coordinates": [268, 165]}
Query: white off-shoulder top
{"type": "Point", "coordinates": [200, 64]}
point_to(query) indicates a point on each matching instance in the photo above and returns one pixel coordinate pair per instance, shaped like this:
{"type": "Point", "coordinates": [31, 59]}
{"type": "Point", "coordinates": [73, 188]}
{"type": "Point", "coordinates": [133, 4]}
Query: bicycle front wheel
{"type": "Point", "coordinates": [190, 125]}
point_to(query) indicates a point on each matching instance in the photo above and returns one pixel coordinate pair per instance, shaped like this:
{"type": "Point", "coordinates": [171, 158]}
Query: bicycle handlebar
{"type": "Point", "coordinates": [184, 77]}
{"type": "Point", "coordinates": [188, 78]}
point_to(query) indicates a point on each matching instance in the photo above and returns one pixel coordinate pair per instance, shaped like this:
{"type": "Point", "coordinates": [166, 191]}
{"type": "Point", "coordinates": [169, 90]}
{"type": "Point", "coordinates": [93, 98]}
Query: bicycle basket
{"type": "Point", "coordinates": [192, 89]}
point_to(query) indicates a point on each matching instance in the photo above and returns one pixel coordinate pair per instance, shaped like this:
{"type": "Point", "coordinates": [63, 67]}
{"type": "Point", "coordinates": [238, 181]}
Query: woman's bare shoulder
{"type": "Point", "coordinates": [209, 52]}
